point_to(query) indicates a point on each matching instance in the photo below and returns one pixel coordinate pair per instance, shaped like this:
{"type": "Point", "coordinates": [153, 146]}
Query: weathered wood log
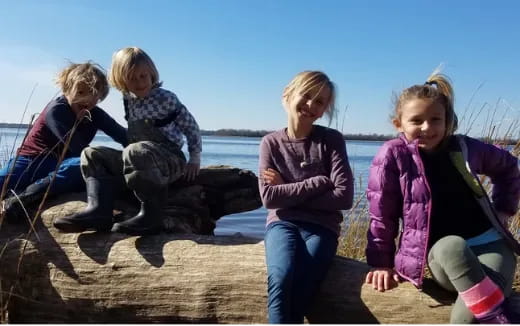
{"type": "Point", "coordinates": [191, 208]}
{"type": "Point", "coordinates": [112, 278]}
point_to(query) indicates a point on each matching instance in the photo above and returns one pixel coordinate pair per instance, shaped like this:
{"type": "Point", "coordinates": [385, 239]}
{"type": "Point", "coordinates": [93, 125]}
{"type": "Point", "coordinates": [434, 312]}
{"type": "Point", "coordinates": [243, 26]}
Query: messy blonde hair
{"type": "Point", "coordinates": [124, 61]}
{"type": "Point", "coordinates": [308, 80]}
{"type": "Point", "coordinates": [438, 89]}
{"type": "Point", "coordinates": [89, 74]}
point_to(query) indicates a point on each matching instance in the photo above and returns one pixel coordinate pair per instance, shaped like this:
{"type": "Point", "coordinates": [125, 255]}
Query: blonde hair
{"type": "Point", "coordinates": [438, 89]}
{"type": "Point", "coordinates": [308, 80]}
{"type": "Point", "coordinates": [89, 74]}
{"type": "Point", "coordinates": [124, 62]}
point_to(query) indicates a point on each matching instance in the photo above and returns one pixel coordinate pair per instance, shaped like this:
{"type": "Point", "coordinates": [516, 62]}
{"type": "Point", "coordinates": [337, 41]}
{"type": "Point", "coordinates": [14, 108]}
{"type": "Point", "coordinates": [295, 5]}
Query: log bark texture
{"type": "Point", "coordinates": [112, 278]}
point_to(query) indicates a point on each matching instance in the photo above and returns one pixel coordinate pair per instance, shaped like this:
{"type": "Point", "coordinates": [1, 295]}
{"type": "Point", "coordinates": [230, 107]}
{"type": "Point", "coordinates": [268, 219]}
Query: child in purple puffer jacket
{"type": "Point", "coordinates": [427, 178]}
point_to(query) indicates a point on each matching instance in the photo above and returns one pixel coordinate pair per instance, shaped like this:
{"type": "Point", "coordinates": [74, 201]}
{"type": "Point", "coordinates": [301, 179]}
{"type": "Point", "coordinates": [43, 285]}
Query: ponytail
{"type": "Point", "coordinates": [446, 97]}
{"type": "Point", "coordinates": [436, 88]}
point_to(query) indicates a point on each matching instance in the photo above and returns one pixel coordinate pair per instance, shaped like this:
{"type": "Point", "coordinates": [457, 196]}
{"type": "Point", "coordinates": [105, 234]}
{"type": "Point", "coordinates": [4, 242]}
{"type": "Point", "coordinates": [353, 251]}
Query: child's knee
{"type": "Point", "coordinates": [451, 250]}
{"type": "Point", "coordinates": [450, 244]}
{"type": "Point", "coordinates": [91, 154]}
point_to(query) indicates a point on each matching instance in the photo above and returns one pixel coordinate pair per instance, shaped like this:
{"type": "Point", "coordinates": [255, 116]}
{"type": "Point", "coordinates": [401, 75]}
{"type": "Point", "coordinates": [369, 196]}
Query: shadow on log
{"type": "Point", "coordinates": [108, 278]}
{"type": "Point", "coordinates": [112, 278]}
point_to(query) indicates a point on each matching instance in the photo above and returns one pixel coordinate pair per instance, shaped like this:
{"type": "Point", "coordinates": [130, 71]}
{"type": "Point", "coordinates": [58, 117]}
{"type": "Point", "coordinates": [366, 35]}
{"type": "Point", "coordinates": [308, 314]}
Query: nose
{"type": "Point", "coordinates": [425, 126]}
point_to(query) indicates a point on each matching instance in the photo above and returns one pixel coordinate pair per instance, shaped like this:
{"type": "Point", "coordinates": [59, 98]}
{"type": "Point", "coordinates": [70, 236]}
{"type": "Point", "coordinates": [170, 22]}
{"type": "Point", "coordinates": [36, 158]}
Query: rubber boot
{"type": "Point", "coordinates": [32, 195]}
{"type": "Point", "coordinates": [149, 219]}
{"type": "Point", "coordinates": [98, 213]}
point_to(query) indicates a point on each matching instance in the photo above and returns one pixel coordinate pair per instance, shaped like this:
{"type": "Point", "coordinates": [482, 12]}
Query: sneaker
{"type": "Point", "coordinates": [497, 316]}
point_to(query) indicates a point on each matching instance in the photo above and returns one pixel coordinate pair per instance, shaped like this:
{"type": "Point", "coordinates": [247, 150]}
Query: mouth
{"type": "Point", "coordinates": [427, 137]}
{"type": "Point", "coordinates": [427, 141]}
{"type": "Point", "coordinates": [306, 113]}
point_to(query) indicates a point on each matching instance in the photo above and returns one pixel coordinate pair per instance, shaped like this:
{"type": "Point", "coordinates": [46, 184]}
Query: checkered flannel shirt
{"type": "Point", "coordinates": [157, 105]}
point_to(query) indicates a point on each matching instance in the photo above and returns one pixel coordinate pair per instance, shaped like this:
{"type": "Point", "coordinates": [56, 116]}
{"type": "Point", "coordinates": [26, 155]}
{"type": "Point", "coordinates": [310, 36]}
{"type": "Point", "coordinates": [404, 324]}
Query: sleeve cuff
{"type": "Point", "coordinates": [194, 158]}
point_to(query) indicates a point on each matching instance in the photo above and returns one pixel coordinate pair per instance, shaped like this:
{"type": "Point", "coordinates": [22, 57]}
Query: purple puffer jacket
{"type": "Point", "coordinates": [397, 189]}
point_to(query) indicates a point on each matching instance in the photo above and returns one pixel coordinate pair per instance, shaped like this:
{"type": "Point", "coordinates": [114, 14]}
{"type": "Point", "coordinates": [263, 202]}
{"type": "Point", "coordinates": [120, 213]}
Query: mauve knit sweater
{"type": "Point", "coordinates": [317, 175]}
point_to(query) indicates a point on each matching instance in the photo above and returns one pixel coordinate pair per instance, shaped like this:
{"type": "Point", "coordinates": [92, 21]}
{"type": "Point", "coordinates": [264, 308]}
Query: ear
{"type": "Point", "coordinates": [397, 124]}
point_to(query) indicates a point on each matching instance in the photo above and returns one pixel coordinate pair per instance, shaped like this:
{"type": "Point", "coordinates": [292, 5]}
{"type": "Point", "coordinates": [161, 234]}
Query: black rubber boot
{"type": "Point", "coordinates": [149, 219]}
{"type": "Point", "coordinates": [98, 213]}
{"type": "Point", "coordinates": [32, 195]}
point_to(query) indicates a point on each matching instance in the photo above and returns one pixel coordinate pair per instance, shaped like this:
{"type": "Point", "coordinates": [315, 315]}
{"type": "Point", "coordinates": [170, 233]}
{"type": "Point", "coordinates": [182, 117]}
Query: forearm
{"type": "Point", "coordinates": [332, 200]}
{"type": "Point", "coordinates": [293, 194]}
{"type": "Point", "coordinates": [341, 195]}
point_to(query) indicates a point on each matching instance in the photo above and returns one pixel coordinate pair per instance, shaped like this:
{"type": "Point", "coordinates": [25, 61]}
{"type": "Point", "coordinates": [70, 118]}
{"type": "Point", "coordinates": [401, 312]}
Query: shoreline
{"type": "Point", "coordinates": [261, 133]}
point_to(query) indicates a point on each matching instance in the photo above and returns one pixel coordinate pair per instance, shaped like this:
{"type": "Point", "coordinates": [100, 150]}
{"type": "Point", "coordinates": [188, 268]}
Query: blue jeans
{"type": "Point", "coordinates": [28, 170]}
{"type": "Point", "coordinates": [298, 256]}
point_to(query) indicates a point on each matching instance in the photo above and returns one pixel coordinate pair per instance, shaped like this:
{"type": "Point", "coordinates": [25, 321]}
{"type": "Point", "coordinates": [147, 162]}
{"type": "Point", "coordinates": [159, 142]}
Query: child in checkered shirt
{"type": "Point", "coordinates": [157, 125]}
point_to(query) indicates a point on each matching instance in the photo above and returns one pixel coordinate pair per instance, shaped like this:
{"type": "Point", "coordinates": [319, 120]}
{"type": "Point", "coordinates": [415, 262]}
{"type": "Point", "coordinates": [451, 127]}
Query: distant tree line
{"type": "Point", "coordinates": [235, 132]}
{"type": "Point", "coordinates": [261, 133]}
{"type": "Point", "coordinates": [359, 136]}
{"type": "Point", "coordinates": [367, 137]}
{"type": "Point", "coordinates": [13, 125]}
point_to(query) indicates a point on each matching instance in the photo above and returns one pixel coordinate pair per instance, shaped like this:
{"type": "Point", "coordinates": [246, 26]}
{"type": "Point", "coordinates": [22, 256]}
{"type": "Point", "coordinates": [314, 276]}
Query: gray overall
{"type": "Point", "coordinates": [148, 164]}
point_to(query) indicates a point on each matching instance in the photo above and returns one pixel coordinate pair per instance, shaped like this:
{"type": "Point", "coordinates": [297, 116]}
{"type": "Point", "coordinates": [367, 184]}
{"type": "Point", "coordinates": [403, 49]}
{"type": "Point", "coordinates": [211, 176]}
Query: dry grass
{"type": "Point", "coordinates": [353, 238]}
{"type": "Point", "coordinates": [6, 294]}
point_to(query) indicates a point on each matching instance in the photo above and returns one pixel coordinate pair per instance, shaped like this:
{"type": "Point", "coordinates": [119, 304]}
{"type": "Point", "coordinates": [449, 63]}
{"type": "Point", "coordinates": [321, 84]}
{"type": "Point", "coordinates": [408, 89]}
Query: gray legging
{"type": "Point", "coordinates": [458, 267]}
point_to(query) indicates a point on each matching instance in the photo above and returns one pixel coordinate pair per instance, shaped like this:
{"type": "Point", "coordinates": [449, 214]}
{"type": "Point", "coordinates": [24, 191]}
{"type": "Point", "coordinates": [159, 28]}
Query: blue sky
{"type": "Point", "coordinates": [228, 60]}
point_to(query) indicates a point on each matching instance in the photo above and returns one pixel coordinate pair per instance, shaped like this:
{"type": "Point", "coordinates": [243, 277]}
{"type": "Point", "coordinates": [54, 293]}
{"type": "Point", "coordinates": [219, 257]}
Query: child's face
{"type": "Point", "coordinates": [425, 120]}
{"type": "Point", "coordinates": [82, 99]}
{"type": "Point", "coordinates": [140, 81]}
{"type": "Point", "coordinates": [308, 107]}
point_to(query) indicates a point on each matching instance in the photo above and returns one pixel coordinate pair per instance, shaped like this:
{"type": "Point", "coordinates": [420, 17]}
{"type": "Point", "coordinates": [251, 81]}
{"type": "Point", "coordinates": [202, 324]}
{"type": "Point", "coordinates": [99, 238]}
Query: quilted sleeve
{"type": "Point", "coordinates": [385, 208]}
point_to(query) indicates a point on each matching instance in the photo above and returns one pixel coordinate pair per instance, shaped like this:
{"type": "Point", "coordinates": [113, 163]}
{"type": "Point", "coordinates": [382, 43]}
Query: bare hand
{"type": "Point", "coordinates": [272, 177]}
{"type": "Point", "coordinates": [382, 279]}
{"type": "Point", "coordinates": [191, 171]}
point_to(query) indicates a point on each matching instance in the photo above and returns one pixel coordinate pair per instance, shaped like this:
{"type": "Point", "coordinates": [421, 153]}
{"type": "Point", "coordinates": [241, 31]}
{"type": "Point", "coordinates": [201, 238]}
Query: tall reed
{"type": "Point", "coordinates": [6, 294]}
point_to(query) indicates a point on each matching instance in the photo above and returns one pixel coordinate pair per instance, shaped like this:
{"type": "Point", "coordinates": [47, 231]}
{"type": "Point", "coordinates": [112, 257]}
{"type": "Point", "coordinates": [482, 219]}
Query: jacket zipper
{"type": "Point", "coordinates": [423, 175]}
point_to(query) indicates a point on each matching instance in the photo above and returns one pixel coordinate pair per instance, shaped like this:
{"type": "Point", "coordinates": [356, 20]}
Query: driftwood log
{"type": "Point", "coordinates": [112, 278]}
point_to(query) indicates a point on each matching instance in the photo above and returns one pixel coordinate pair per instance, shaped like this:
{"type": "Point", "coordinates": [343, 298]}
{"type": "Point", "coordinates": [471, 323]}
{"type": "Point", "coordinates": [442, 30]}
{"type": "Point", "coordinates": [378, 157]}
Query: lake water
{"type": "Point", "coordinates": [240, 152]}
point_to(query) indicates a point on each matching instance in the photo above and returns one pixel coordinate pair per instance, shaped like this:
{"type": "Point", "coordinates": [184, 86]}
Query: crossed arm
{"type": "Point", "coordinates": [331, 193]}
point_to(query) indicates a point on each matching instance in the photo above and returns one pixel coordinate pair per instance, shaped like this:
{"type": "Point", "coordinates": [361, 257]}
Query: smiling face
{"type": "Point", "coordinates": [308, 106]}
{"type": "Point", "coordinates": [140, 81]}
{"type": "Point", "coordinates": [423, 119]}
